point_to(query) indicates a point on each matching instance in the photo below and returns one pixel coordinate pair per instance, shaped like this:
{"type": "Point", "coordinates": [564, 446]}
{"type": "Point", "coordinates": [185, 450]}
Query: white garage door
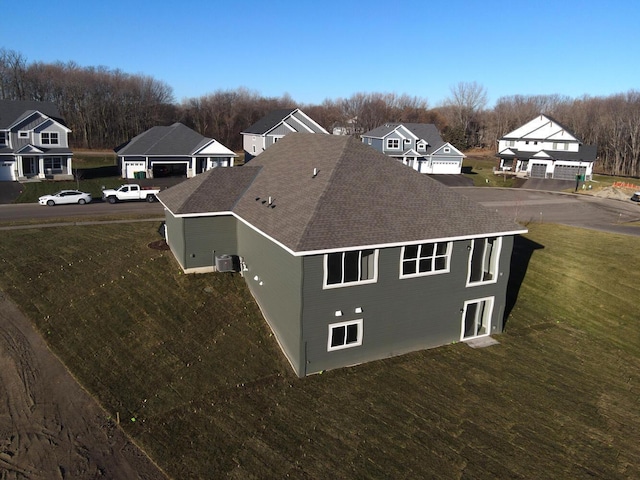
{"type": "Point", "coordinates": [6, 171]}
{"type": "Point", "coordinates": [132, 168]}
{"type": "Point", "coordinates": [445, 167]}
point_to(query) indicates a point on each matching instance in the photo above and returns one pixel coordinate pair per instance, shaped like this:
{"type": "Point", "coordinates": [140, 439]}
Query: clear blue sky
{"type": "Point", "coordinates": [315, 50]}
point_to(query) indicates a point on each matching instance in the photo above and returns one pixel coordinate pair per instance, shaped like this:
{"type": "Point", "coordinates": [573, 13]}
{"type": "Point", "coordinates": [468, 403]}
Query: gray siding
{"type": "Point", "coordinates": [376, 143]}
{"type": "Point", "coordinates": [279, 296]}
{"type": "Point", "coordinates": [397, 151]}
{"type": "Point", "coordinates": [175, 236]}
{"type": "Point", "coordinates": [300, 118]}
{"type": "Point", "coordinates": [281, 129]}
{"type": "Point", "coordinates": [206, 237]}
{"type": "Point", "coordinates": [399, 315]}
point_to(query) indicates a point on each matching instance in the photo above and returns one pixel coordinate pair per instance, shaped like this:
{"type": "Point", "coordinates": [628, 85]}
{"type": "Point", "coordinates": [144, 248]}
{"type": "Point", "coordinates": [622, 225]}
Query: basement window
{"type": "Point", "coordinates": [344, 335]}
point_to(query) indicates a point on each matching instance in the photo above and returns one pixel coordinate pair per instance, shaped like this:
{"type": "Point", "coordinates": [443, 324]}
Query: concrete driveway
{"type": "Point", "coordinates": [530, 206]}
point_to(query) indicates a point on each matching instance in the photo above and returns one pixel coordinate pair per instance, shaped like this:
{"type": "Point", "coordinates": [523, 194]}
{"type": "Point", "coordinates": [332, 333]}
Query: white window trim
{"type": "Point", "coordinates": [496, 262]}
{"type": "Point", "coordinates": [417, 260]}
{"type": "Point", "coordinates": [446, 150]}
{"type": "Point", "coordinates": [491, 303]}
{"type": "Point", "coordinates": [23, 134]}
{"type": "Point", "coordinates": [389, 140]}
{"type": "Point", "coordinates": [357, 282]}
{"type": "Point", "coordinates": [357, 343]}
{"type": "Point", "coordinates": [51, 136]}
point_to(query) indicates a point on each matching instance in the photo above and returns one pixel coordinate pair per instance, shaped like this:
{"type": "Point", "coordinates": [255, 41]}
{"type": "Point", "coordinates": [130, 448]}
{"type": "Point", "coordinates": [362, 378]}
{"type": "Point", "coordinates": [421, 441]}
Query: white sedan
{"type": "Point", "coordinates": [65, 196]}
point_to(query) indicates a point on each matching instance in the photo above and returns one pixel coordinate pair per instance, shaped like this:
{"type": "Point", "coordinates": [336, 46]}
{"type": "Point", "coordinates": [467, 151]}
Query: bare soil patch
{"type": "Point", "coordinates": [50, 428]}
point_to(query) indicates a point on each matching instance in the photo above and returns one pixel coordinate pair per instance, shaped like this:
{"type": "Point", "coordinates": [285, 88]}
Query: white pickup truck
{"type": "Point", "coordinates": [130, 192]}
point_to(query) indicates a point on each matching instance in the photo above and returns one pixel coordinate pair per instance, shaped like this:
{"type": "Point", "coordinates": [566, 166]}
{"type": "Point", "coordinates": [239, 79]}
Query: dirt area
{"type": "Point", "coordinates": [50, 428]}
{"type": "Point", "coordinates": [613, 192]}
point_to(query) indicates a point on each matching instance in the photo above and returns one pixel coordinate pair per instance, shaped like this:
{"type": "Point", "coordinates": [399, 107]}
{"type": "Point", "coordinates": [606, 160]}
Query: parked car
{"type": "Point", "coordinates": [65, 196]}
{"type": "Point", "coordinates": [635, 197]}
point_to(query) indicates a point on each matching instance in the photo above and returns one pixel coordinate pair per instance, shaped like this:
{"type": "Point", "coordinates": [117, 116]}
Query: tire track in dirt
{"type": "Point", "coordinates": [50, 428]}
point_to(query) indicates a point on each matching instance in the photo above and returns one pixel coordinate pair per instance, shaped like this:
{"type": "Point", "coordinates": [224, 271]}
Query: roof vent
{"type": "Point", "coordinates": [315, 173]}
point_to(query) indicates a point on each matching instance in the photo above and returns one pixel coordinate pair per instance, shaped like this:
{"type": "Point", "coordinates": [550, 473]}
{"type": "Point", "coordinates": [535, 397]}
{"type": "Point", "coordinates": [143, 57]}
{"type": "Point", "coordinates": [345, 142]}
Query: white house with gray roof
{"type": "Point", "coordinates": [34, 143]}
{"type": "Point", "coordinates": [174, 150]}
{"type": "Point", "coordinates": [275, 125]}
{"type": "Point", "coordinates": [351, 257]}
{"type": "Point", "coordinates": [543, 148]}
{"type": "Point", "coordinates": [417, 145]}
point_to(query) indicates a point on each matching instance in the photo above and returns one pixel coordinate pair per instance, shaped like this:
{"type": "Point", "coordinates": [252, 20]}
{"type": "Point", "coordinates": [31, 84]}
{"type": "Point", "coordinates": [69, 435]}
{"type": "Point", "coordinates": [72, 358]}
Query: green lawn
{"type": "Point", "coordinates": [190, 367]}
{"type": "Point", "coordinates": [479, 168]}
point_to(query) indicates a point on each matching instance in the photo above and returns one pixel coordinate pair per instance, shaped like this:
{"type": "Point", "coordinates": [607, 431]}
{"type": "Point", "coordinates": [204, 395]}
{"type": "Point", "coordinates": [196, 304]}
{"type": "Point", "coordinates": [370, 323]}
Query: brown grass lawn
{"type": "Point", "coordinates": [194, 373]}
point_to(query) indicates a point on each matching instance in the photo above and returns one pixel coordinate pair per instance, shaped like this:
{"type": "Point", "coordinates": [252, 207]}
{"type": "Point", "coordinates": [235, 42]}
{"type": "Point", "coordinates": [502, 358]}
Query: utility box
{"type": "Point", "coordinates": [224, 263]}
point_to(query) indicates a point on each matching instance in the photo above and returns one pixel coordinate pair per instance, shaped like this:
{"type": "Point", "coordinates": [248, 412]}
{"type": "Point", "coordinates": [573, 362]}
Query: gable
{"type": "Point", "coordinates": [215, 148]}
{"type": "Point", "coordinates": [453, 151]}
{"type": "Point", "coordinates": [29, 149]}
{"type": "Point", "coordinates": [541, 128]}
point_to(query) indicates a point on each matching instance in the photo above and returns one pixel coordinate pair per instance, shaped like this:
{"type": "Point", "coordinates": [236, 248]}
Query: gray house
{"type": "Point", "coordinates": [175, 150]}
{"type": "Point", "coordinates": [33, 142]}
{"type": "Point", "coordinates": [272, 127]}
{"type": "Point", "coordinates": [418, 145]}
{"type": "Point", "coordinates": [350, 257]}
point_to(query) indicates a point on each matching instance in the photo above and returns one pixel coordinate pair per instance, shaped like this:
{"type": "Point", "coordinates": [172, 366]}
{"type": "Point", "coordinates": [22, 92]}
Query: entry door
{"type": "Point", "coordinates": [476, 318]}
{"type": "Point", "coordinates": [29, 166]}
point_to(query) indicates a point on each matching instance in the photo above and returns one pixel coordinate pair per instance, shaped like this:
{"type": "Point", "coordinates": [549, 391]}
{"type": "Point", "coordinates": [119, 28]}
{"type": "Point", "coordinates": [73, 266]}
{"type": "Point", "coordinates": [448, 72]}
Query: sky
{"type": "Point", "coordinates": [314, 50]}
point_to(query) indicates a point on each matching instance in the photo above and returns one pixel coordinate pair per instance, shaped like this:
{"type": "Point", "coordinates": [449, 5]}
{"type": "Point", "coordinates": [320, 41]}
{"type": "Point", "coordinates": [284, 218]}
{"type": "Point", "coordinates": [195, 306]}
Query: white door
{"type": "Point", "coordinates": [476, 318]}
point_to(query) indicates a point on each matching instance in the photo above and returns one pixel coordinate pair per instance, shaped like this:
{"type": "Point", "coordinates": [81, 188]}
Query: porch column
{"type": "Point", "coordinates": [41, 171]}
{"type": "Point", "coordinates": [19, 171]}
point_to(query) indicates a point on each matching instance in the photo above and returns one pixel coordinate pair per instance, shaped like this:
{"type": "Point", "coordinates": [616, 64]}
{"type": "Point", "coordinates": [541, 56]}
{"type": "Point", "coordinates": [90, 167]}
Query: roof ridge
{"type": "Point", "coordinates": [325, 189]}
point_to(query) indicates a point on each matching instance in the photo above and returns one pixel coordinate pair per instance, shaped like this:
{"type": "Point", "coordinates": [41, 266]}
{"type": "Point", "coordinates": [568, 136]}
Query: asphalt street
{"type": "Point", "coordinates": [522, 205]}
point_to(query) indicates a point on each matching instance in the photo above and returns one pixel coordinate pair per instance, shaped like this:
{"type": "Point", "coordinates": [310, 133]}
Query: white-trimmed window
{"type": "Point", "coordinates": [393, 144]}
{"type": "Point", "coordinates": [3, 138]}
{"type": "Point", "coordinates": [483, 260]}
{"type": "Point", "coordinates": [344, 335]}
{"type": "Point", "coordinates": [476, 318]}
{"type": "Point", "coordinates": [349, 268]}
{"type": "Point", "coordinates": [511, 143]}
{"type": "Point", "coordinates": [53, 163]}
{"type": "Point", "coordinates": [421, 147]}
{"type": "Point", "coordinates": [23, 134]}
{"type": "Point", "coordinates": [425, 259]}
{"type": "Point", "coordinates": [49, 138]}
{"type": "Point", "coordinates": [447, 150]}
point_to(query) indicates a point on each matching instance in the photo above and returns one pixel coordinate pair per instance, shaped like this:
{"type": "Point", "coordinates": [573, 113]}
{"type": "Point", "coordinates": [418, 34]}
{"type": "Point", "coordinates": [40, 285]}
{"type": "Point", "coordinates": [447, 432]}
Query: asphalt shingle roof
{"type": "Point", "coordinates": [358, 197]}
{"type": "Point", "coordinates": [269, 121]}
{"type": "Point", "coordinates": [176, 139]}
{"type": "Point", "coordinates": [13, 110]}
{"type": "Point", "coordinates": [585, 153]}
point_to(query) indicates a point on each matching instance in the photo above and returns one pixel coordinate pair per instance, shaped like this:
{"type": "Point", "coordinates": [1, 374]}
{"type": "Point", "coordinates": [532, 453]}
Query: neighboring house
{"type": "Point", "coordinates": [418, 145]}
{"type": "Point", "coordinates": [272, 127]}
{"type": "Point", "coordinates": [542, 148]}
{"type": "Point", "coordinates": [350, 257]}
{"type": "Point", "coordinates": [176, 150]}
{"type": "Point", "coordinates": [33, 142]}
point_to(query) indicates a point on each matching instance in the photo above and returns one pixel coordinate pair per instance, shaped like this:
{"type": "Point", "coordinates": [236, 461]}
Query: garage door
{"type": "Point", "coordinates": [169, 170]}
{"type": "Point", "coordinates": [6, 171]}
{"type": "Point", "coordinates": [568, 172]}
{"type": "Point", "coordinates": [133, 168]}
{"type": "Point", "coordinates": [444, 167]}
{"type": "Point", "coordinates": [538, 170]}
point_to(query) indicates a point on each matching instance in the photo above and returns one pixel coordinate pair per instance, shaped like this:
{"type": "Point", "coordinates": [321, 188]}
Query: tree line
{"type": "Point", "coordinates": [105, 108]}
